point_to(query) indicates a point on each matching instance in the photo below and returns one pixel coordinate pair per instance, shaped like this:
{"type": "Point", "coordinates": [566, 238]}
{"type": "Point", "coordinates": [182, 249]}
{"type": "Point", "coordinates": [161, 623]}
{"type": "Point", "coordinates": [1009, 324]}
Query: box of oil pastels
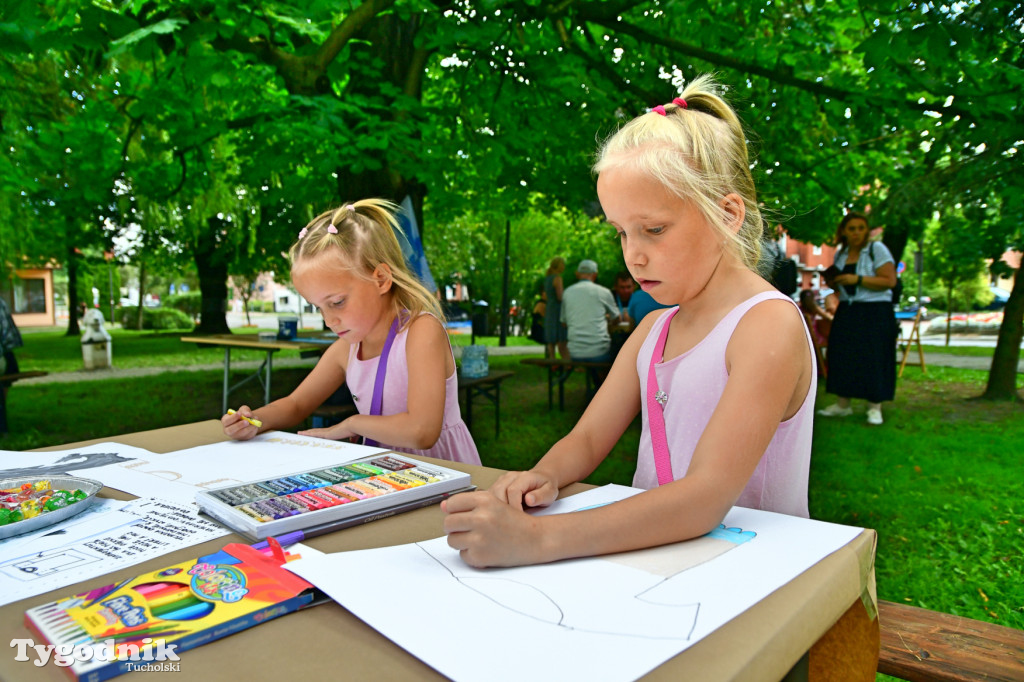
{"type": "Point", "coordinates": [332, 498]}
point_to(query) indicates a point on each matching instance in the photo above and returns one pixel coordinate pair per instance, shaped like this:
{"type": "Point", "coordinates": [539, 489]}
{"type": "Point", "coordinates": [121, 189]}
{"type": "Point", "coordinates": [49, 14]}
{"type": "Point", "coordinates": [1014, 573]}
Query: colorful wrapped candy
{"type": "Point", "coordinates": [29, 500]}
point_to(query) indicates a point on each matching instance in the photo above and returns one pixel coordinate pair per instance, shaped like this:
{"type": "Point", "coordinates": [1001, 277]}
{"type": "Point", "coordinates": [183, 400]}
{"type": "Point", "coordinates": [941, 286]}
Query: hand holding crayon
{"type": "Point", "coordinates": [252, 420]}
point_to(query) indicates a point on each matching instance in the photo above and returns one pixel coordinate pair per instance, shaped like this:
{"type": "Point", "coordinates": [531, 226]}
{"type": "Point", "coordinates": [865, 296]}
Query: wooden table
{"type": "Point", "coordinates": [815, 627]}
{"type": "Point", "coordinates": [490, 388]}
{"type": "Point", "coordinates": [252, 342]}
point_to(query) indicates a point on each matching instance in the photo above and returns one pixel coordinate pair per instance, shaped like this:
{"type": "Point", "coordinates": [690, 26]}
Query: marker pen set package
{"type": "Point", "coordinates": [148, 620]}
{"type": "Point", "coordinates": [332, 498]}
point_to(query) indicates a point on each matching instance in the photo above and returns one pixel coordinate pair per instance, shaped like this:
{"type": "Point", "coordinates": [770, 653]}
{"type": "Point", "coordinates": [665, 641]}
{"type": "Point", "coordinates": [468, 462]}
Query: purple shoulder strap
{"type": "Point", "coordinates": [378, 382]}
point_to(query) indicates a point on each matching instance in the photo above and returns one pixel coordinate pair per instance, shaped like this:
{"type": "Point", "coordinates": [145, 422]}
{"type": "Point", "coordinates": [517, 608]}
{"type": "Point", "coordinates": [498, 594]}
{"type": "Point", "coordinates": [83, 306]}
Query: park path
{"type": "Point", "coordinates": [930, 360]}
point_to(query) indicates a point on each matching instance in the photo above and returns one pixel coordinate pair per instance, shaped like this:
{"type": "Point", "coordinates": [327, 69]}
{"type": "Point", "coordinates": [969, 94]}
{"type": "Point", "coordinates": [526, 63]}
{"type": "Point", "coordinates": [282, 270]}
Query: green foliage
{"type": "Point", "coordinates": [188, 303]}
{"type": "Point", "coordinates": [155, 318]}
{"type": "Point", "coordinates": [471, 250]}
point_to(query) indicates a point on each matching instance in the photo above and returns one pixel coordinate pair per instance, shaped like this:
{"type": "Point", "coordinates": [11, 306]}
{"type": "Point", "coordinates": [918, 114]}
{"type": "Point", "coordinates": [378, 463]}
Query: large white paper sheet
{"type": "Point", "coordinates": [16, 464]}
{"type": "Point", "coordinates": [116, 535]}
{"type": "Point", "coordinates": [601, 618]}
{"type": "Point", "coordinates": [179, 475]}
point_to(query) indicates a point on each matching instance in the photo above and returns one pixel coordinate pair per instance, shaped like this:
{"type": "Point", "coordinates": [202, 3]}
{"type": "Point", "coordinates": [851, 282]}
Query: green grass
{"type": "Point", "coordinates": [939, 481]}
{"type": "Point", "coordinates": [52, 351]}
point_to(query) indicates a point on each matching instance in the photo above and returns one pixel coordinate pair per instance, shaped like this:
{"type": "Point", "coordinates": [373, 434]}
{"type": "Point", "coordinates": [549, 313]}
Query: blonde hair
{"type": "Point", "coordinates": [697, 151]}
{"type": "Point", "coordinates": [557, 265]}
{"type": "Point", "coordinates": [361, 236]}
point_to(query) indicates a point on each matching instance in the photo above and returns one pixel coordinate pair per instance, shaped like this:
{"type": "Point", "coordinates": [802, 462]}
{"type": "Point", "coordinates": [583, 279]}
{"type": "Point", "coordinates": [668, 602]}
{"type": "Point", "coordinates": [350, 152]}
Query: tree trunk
{"type": "Point", "coordinates": [213, 282]}
{"type": "Point", "coordinates": [73, 328]}
{"type": "Point", "coordinates": [142, 295]}
{"type": "Point", "coordinates": [949, 312]}
{"type": "Point", "coordinates": [1002, 376]}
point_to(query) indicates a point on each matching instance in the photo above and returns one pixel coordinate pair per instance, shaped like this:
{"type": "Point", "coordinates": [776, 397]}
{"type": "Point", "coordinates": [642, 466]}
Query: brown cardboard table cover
{"type": "Point", "coordinates": [830, 607]}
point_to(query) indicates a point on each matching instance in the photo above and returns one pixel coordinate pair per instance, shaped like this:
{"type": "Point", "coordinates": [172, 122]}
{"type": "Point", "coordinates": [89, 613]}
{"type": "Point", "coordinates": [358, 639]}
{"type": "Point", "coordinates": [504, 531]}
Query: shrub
{"type": "Point", "coordinates": [189, 303]}
{"type": "Point", "coordinates": [154, 318]}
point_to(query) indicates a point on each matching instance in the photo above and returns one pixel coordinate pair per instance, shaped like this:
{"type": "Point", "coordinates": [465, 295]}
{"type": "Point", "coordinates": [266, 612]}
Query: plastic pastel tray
{"type": "Point", "coordinates": [86, 485]}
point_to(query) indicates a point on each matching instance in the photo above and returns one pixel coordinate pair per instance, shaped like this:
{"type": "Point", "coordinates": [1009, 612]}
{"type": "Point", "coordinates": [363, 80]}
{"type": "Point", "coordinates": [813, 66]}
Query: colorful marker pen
{"type": "Point", "coordinates": [255, 422]}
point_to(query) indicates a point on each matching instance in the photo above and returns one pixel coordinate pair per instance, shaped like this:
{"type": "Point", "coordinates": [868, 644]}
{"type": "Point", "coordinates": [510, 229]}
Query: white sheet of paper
{"type": "Point", "coordinates": [101, 543]}
{"type": "Point", "coordinates": [607, 618]}
{"type": "Point", "coordinates": [15, 464]}
{"type": "Point", "coordinates": [181, 474]}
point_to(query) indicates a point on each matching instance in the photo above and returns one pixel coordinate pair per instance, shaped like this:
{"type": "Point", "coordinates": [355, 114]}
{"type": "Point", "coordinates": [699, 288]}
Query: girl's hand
{"type": "Point", "coordinates": [236, 425]}
{"type": "Point", "coordinates": [525, 488]}
{"type": "Point", "coordinates": [339, 431]}
{"type": "Point", "coordinates": [488, 532]}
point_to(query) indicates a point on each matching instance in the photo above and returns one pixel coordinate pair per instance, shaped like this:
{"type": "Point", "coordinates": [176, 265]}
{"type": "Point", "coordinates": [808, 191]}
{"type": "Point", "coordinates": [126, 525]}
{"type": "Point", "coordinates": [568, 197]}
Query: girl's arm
{"type": "Point", "coordinates": [325, 378]}
{"type": "Point", "coordinates": [575, 456]}
{"type": "Point", "coordinates": [769, 366]}
{"type": "Point", "coordinates": [556, 282]}
{"type": "Point", "coordinates": [430, 364]}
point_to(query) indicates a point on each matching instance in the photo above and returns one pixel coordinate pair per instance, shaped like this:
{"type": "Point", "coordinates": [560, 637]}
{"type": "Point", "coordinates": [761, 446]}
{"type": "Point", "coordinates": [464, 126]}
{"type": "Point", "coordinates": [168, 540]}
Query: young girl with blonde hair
{"type": "Point", "coordinates": [392, 348]}
{"type": "Point", "coordinates": [724, 381]}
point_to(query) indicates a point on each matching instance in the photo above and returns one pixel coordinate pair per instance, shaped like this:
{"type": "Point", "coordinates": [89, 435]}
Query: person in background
{"type": "Point", "coordinates": [10, 338]}
{"type": "Point", "coordinates": [724, 382]}
{"type": "Point", "coordinates": [862, 341]}
{"type": "Point", "coordinates": [831, 298]}
{"type": "Point", "coordinates": [640, 304]}
{"type": "Point", "coordinates": [586, 309]}
{"type": "Point", "coordinates": [537, 317]}
{"type": "Point", "coordinates": [622, 293]}
{"type": "Point", "coordinates": [348, 263]}
{"type": "Point", "coordinates": [819, 319]}
{"type": "Point", "coordinates": [554, 331]}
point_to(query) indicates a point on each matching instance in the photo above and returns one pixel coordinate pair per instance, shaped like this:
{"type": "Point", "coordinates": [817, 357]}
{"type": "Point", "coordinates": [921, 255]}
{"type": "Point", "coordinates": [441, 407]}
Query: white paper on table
{"type": "Point", "coordinates": [607, 618]}
{"type": "Point", "coordinates": [179, 475]}
{"type": "Point", "coordinates": [15, 464]}
{"type": "Point", "coordinates": [81, 525]}
{"type": "Point", "coordinates": [141, 530]}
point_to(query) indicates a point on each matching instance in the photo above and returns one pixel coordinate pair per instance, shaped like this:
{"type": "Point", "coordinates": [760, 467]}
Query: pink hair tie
{"type": "Point", "coordinates": [302, 232]}
{"type": "Point", "coordinates": [659, 110]}
{"type": "Point", "coordinates": [331, 229]}
{"type": "Point", "coordinates": [679, 102]}
{"type": "Point", "coordinates": [351, 208]}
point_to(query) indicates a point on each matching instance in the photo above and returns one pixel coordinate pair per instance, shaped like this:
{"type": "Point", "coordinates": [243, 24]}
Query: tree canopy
{"type": "Point", "coordinates": [219, 127]}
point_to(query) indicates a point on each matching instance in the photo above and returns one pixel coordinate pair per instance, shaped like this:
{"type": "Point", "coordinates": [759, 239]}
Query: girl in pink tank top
{"type": "Point", "coordinates": [724, 381]}
{"type": "Point", "coordinates": [392, 349]}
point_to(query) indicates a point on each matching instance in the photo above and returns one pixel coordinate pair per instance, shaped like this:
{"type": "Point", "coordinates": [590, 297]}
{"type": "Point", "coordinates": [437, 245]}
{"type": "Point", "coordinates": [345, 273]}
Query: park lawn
{"type": "Point", "coordinates": [938, 481]}
{"type": "Point", "coordinates": [52, 351]}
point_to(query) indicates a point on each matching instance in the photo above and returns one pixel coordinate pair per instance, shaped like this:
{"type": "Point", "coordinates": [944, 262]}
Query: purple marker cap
{"type": "Point", "coordinates": [284, 540]}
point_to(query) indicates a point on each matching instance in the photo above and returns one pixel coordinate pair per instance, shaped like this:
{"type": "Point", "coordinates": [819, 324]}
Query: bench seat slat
{"type": "Point", "coordinates": [922, 645]}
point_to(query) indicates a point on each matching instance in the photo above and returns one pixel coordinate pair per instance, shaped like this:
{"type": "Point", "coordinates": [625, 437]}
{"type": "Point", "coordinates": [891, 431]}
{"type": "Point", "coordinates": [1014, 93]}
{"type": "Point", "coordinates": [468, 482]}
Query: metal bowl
{"type": "Point", "coordinates": [71, 483]}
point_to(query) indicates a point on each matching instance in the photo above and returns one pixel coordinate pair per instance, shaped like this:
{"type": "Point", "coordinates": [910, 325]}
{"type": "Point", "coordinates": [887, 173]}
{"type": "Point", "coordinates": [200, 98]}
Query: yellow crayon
{"type": "Point", "coordinates": [255, 422]}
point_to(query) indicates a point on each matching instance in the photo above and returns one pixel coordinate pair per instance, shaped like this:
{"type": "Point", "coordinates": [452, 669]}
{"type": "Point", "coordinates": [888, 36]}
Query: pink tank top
{"type": "Point", "coordinates": [694, 382]}
{"type": "Point", "coordinates": [455, 442]}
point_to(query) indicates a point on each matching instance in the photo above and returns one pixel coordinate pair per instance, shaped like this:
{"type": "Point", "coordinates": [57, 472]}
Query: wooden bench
{"type": "Point", "coordinates": [921, 645]}
{"type": "Point", "coordinates": [6, 379]}
{"type": "Point", "coordinates": [561, 370]}
{"type": "Point", "coordinates": [489, 387]}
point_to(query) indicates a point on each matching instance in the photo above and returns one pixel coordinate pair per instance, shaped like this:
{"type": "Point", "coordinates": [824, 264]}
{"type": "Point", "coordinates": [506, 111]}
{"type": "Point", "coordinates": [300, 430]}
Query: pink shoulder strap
{"type": "Point", "coordinates": [655, 412]}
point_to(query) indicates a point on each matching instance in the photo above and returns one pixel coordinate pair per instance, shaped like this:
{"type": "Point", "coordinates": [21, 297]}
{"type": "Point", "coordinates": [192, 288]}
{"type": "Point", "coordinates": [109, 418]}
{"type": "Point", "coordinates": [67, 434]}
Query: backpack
{"type": "Point", "coordinates": [784, 276]}
{"type": "Point", "coordinates": [897, 290]}
{"type": "Point", "coordinates": [784, 271]}
{"type": "Point", "coordinates": [537, 328]}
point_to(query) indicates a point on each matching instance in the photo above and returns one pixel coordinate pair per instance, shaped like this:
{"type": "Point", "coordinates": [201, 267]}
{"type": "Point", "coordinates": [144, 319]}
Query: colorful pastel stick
{"type": "Point", "coordinates": [252, 420]}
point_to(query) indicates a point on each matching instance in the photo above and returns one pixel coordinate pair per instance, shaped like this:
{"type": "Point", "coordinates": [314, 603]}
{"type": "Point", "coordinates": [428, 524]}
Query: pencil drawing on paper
{"type": "Point", "coordinates": [629, 613]}
{"type": "Point", "coordinates": [67, 464]}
